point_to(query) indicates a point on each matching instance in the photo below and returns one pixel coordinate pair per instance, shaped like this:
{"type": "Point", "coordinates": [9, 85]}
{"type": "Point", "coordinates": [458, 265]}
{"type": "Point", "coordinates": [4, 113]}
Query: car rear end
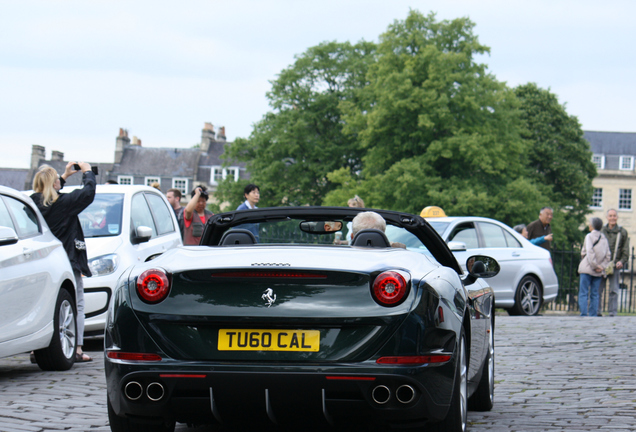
{"type": "Point", "coordinates": [287, 343]}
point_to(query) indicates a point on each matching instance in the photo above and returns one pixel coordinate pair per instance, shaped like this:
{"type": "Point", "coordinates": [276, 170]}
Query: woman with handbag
{"type": "Point", "coordinates": [595, 257]}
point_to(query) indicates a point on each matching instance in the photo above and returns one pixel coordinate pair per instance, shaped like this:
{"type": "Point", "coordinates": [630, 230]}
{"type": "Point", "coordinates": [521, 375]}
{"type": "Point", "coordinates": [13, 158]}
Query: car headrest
{"type": "Point", "coordinates": [371, 238]}
{"type": "Point", "coordinates": [237, 237]}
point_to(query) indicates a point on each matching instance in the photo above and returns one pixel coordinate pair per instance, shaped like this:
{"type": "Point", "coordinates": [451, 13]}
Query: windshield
{"type": "Point", "coordinates": [103, 217]}
{"type": "Point", "coordinates": [289, 232]}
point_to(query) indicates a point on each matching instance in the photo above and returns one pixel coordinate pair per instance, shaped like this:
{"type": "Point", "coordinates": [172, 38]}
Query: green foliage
{"type": "Point", "coordinates": [437, 128]}
{"type": "Point", "coordinates": [293, 148]}
{"type": "Point", "coordinates": [559, 158]}
{"type": "Point", "coordinates": [415, 121]}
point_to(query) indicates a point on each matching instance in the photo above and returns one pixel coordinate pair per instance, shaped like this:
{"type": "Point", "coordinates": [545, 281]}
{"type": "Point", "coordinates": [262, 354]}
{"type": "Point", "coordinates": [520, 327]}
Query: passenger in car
{"type": "Point", "coordinates": [371, 220]}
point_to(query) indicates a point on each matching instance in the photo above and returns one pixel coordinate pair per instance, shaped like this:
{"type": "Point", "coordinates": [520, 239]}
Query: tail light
{"type": "Point", "coordinates": [390, 288]}
{"type": "Point", "coordinates": [153, 285]}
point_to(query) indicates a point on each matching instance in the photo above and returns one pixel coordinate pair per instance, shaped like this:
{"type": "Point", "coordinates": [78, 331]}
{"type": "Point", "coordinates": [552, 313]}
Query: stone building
{"type": "Point", "coordinates": [180, 168]}
{"type": "Point", "coordinates": [615, 184]}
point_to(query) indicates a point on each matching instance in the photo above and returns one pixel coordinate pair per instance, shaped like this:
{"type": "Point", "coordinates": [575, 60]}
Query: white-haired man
{"type": "Point", "coordinates": [371, 220]}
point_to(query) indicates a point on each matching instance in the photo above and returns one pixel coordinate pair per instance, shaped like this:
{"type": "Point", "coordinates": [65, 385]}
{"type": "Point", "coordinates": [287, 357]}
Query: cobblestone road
{"type": "Point", "coordinates": [552, 373]}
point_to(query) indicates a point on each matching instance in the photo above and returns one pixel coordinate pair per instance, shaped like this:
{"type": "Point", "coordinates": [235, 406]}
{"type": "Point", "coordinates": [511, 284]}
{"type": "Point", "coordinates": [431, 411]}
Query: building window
{"type": "Point", "coordinates": [219, 174]}
{"type": "Point", "coordinates": [181, 184]}
{"type": "Point", "coordinates": [625, 199]}
{"type": "Point", "coordinates": [597, 198]}
{"type": "Point", "coordinates": [626, 163]}
{"type": "Point", "coordinates": [232, 172]}
{"type": "Point", "coordinates": [125, 180]}
{"type": "Point", "coordinates": [599, 161]}
{"type": "Point", "coordinates": [151, 180]}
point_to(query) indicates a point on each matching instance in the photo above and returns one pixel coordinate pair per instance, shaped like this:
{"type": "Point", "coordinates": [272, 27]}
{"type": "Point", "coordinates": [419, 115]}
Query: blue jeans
{"type": "Point", "coordinates": [588, 287]}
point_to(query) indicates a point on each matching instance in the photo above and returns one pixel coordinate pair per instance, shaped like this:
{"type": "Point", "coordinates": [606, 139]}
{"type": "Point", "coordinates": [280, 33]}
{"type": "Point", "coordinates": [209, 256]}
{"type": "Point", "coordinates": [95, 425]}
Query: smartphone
{"type": "Point", "coordinates": [76, 167]}
{"type": "Point", "coordinates": [95, 170]}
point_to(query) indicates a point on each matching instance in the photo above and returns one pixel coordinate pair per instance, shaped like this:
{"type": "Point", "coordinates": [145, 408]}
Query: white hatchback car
{"type": "Point", "coordinates": [527, 279]}
{"type": "Point", "coordinates": [125, 225]}
{"type": "Point", "coordinates": [37, 286]}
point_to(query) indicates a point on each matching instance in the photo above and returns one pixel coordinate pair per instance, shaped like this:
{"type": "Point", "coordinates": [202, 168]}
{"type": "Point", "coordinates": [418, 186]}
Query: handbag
{"type": "Point", "coordinates": [609, 270]}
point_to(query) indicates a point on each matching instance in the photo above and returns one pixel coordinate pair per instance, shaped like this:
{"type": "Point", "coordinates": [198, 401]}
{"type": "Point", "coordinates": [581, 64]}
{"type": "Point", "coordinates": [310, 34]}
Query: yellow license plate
{"type": "Point", "coordinates": [268, 340]}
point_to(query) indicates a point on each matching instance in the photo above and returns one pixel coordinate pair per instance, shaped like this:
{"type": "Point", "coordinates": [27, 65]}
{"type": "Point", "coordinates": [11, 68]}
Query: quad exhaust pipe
{"type": "Point", "coordinates": [381, 394]}
{"type": "Point", "coordinates": [154, 391]}
{"type": "Point", "coordinates": [404, 394]}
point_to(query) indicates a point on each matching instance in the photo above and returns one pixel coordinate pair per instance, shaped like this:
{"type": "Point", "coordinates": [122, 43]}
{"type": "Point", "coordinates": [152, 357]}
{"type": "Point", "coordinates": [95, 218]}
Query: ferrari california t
{"type": "Point", "coordinates": [291, 329]}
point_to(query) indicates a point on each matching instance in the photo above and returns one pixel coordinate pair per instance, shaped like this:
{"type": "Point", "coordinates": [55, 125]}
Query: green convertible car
{"type": "Point", "coordinates": [269, 324]}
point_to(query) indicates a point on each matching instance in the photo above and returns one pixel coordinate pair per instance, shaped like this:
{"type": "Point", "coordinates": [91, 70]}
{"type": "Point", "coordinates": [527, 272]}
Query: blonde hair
{"type": "Point", "coordinates": [43, 183]}
{"type": "Point", "coordinates": [356, 201]}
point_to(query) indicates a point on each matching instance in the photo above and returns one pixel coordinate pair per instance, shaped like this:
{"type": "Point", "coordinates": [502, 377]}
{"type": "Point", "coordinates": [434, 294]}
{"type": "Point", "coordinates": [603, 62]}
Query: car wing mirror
{"type": "Point", "coordinates": [142, 235]}
{"type": "Point", "coordinates": [7, 236]}
{"type": "Point", "coordinates": [480, 266]}
{"type": "Point", "coordinates": [456, 246]}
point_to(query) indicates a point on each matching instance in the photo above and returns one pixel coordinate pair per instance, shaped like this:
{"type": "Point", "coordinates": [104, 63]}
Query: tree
{"type": "Point", "coordinates": [291, 150]}
{"type": "Point", "coordinates": [437, 128]}
{"type": "Point", "coordinates": [559, 158]}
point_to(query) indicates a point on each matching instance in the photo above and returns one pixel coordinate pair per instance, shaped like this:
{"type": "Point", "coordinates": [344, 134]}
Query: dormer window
{"type": "Point", "coordinates": [626, 163]}
{"type": "Point", "coordinates": [219, 174]}
{"type": "Point", "coordinates": [599, 161]}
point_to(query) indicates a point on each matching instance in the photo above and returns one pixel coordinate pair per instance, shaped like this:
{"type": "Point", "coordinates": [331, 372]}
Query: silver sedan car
{"type": "Point", "coordinates": [527, 279]}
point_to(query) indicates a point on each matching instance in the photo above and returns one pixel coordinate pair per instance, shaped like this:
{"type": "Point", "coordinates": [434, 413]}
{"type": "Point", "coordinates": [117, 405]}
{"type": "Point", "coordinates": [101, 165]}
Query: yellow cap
{"type": "Point", "coordinates": [432, 211]}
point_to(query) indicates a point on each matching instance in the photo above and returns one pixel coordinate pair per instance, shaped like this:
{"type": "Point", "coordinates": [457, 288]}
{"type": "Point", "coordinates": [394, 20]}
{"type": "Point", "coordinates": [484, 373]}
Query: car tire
{"type": "Point", "coordinates": [124, 424]}
{"type": "Point", "coordinates": [484, 396]}
{"type": "Point", "coordinates": [60, 354]}
{"type": "Point", "coordinates": [457, 417]}
{"type": "Point", "coordinates": [528, 297]}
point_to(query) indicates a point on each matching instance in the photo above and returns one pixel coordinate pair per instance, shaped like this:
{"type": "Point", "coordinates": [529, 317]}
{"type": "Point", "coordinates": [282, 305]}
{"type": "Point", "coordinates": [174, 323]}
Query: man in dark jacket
{"type": "Point", "coordinates": [620, 255]}
{"type": "Point", "coordinates": [60, 211]}
{"type": "Point", "coordinates": [541, 227]}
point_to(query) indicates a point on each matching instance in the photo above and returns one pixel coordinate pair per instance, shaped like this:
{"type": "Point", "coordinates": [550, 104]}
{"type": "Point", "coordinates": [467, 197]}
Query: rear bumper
{"type": "Point", "coordinates": [331, 395]}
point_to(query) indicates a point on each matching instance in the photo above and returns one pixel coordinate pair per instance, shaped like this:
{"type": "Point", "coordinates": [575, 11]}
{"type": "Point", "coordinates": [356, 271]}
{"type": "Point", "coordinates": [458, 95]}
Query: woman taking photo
{"type": "Point", "coordinates": [60, 212]}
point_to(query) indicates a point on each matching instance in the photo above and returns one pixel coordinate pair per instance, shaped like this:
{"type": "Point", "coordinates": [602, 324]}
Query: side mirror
{"type": "Point", "coordinates": [456, 246]}
{"type": "Point", "coordinates": [7, 236]}
{"type": "Point", "coordinates": [142, 235]}
{"type": "Point", "coordinates": [480, 266]}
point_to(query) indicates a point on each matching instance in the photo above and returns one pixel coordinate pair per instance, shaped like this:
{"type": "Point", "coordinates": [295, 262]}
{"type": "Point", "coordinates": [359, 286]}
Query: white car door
{"type": "Point", "coordinates": [25, 282]}
{"type": "Point", "coordinates": [509, 253]}
{"type": "Point", "coordinates": [150, 210]}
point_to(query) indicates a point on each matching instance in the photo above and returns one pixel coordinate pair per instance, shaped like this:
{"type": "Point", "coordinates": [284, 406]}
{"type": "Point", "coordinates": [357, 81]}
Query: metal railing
{"type": "Point", "coordinates": [566, 263]}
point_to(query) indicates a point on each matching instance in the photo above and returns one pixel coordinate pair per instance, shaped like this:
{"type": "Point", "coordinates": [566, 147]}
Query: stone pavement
{"type": "Point", "coordinates": [552, 373]}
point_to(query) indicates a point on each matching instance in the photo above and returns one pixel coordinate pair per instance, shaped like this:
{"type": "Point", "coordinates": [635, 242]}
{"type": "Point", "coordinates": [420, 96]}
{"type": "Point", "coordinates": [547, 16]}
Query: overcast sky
{"type": "Point", "coordinates": [73, 72]}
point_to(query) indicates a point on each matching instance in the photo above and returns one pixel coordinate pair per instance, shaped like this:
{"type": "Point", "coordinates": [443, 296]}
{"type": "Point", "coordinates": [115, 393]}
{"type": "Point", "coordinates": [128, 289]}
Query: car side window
{"type": "Point", "coordinates": [5, 217]}
{"type": "Point", "coordinates": [465, 233]}
{"type": "Point", "coordinates": [140, 214]}
{"type": "Point", "coordinates": [512, 242]}
{"type": "Point", "coordinates": [25, 218]}
{"type": "Point", "coordinates": [493, 235]}
{"type": "Point", "coordinates": [161, 213]}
